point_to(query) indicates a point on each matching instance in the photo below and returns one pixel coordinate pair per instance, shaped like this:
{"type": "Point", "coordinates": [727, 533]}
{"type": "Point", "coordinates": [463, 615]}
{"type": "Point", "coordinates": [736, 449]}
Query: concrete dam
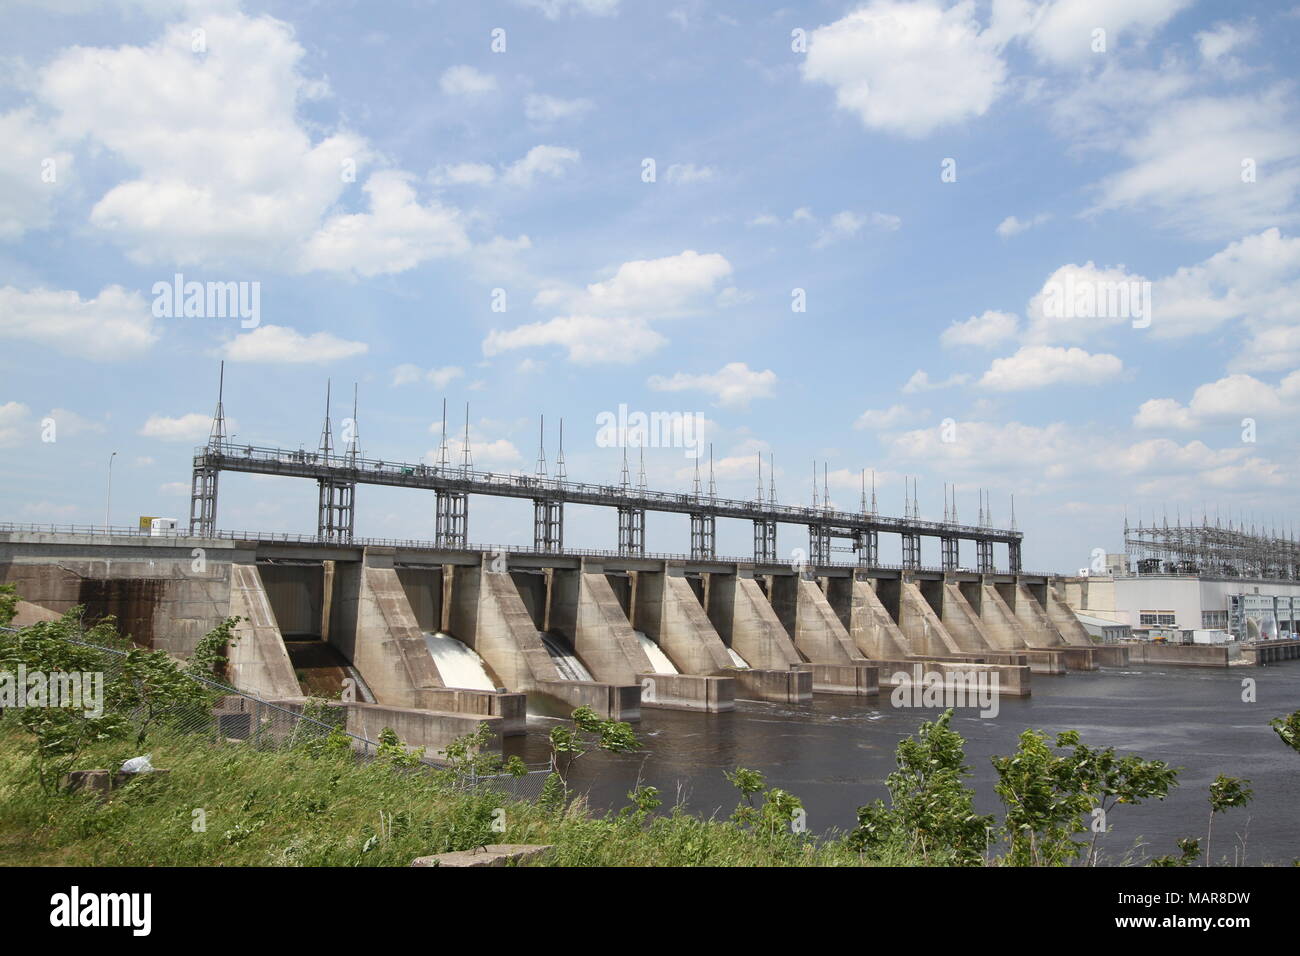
{"type": "Point", "coordinates": [432, 641]}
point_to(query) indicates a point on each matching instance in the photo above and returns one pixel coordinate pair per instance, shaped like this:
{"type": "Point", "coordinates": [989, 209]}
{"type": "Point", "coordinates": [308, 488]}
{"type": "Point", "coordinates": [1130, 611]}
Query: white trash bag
{"type": "Point", "coordinates": [138, 765]}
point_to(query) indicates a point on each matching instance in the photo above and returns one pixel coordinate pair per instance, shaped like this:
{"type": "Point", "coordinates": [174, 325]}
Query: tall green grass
{"type": "Point", "coordinates": [288, 808]}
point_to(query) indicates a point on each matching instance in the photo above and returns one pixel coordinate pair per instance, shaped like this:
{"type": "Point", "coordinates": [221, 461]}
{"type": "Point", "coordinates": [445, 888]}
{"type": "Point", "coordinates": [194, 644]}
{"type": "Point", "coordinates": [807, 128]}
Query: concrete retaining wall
{"type": "Point", "coordinates": [670, 614]}
{"type": "Point", "coordinates": [744, 619]}
{"type": "Point", "coordinates": [585, 610]}
{"type": "Point", "coordinates": [372, 626]}
{"type": "Point", "coordinates": [258, 663]}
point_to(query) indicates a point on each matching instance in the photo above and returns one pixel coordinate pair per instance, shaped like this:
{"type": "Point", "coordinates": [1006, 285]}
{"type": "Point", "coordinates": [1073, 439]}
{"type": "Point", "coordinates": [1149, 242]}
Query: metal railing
{"type": "Point", "coordinates": [423, 544]}
{"type": "Point", "coordinates": [350, 467]}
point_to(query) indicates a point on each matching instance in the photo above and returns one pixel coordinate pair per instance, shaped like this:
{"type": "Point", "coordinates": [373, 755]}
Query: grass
{"type": "Point", "coordinates": [287, 808]}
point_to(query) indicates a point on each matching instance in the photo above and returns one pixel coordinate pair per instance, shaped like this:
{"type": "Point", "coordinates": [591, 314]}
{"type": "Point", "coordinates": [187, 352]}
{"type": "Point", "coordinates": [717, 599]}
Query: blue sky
{"type": "Point", "coordinates": [927, 173]}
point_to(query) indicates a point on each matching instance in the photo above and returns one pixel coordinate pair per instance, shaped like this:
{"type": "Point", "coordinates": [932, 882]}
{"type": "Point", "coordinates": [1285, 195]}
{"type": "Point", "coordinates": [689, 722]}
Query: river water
{"type": "Point", "coordinates": [835, 753]}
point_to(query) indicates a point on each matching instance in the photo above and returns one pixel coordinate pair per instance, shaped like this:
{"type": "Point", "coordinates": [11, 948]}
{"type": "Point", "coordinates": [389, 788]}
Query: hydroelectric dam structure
{"type": "Point", "coordinates": [432, 638]}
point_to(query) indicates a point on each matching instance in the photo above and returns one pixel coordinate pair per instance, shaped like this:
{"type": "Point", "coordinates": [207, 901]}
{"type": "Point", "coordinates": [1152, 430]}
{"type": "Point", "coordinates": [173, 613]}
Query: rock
{"type": "Point", "coordinates": [494, 854]}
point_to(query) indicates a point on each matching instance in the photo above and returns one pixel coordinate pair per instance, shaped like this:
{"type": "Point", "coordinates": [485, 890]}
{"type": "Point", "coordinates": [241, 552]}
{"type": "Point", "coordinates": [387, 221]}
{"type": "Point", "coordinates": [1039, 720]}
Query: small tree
{"type": "Point", "coordinates": [931, 812]}
{"type": "Point", "coordinates": [1225, 793]}
{"type": "Point", "coordinates": [1047, 794]}
{"type": "Point", "coordinates": [61, 733]}
{"type": "Point", "coordinates": [589, 730]}
{"type": "Point", "coordinates": [778, 809]}
{"type": "Point", "coordinates": [1288, 729]}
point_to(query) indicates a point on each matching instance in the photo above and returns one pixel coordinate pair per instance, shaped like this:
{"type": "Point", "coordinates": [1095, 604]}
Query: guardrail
{"type": "Point", "coordinates": [228, 456]}
{"type": "Point", "coordinates": [418, 544]}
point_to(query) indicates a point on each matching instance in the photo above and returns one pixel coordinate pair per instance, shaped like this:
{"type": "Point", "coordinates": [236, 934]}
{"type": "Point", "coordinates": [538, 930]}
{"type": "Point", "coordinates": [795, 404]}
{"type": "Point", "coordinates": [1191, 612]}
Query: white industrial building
{"type": "Point", "coordinates": [1188, 608]}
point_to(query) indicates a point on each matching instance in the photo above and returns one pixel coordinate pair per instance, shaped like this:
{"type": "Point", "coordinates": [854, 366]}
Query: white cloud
{"type": "Point", "coordinates": [733, 385]}
{"type": "Point", "coordinates": [1037, 366]}
{"type": "Point", "coordinates": [981, 331]}
{"type": "Point", "coordinates": [395, 235]}
{"type": "Point", "coordinates": [847, 224]}
{"type": "Point", "coordinates": [920, 382]}
{"type": "Point", "coordinates": [486, 453]}
{"type": "Point", "coordinates": [764, 219]}
{"type": "Point", "coordinates": [114, 325]}
{"type": "Point", "coordinates": [278, 343]}
{"type": "Point", "coordinates": [681, 174]}
{"type": "Point", "coordinates": [222, 169]}
{"type": "Point", "coordinates": [1062, 30]}
{"type": "Point", "coordinates": [1223, 38]}
{"type": "Point", "coordinates": [13, 423]}
{"type": "Point", "coordinates": [588, 339]}
{"type": "Point", "coordinates": [908, 68]}
{"type": "Point", "coordinates": [466, 81]}
{"type": "Point", "coordinates": [544, 110]}
{"type": "Point", "coordinates": [192, 427]}
{"type": "Point", "coordinates": [1186, 165]}
{"type": "Point", "coordinates": [406, 374]}
{"type": "Point", "coordinates": [464, 174]}
{"type": "Point", "coordinates": [26, 197]}
{"type": "Point", "coordinates": [875, 419]}
{"type": "Point", "coordinates": [1057, 454]}
{"type": "Point", "coordinates": [552, 9]}
{"type": "Point", "coordinates": [1226, 400]}
{"type": "Point", "coordinates": [609, 321]}
{"type": "Point", "coordinates": [1011, 226]}
{"type": "Point", "coordinates": [649, 287]}
{"type": "Point", "coordinates": [442, 377]}
{"type": "Point", "coordinates": [539, 161]}
{"type": "Point", "coordinates": [1077, 301]}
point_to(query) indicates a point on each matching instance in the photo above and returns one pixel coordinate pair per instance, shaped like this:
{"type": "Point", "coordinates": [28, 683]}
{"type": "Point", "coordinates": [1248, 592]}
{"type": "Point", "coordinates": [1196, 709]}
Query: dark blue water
{"type": "Point", "coordinates": [836, 752]}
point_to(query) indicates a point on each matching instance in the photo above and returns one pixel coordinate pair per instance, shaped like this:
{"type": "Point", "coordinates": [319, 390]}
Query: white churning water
{"type": "Point", "coordinates": [736, 658]}
{"type": "Point", "coordinates": [458, 665]}
{"type": "Point", "coordinates": [566, 662]}
{"type": "Point", "coordinates": [659, 662]}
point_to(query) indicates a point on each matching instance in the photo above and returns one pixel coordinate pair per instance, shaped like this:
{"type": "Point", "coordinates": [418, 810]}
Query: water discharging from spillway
{"type": "Point", "coordinates": [458, 665]}
{"type": "Point", "coordinates": [736, 658]}
{"type": "Point", "coordinates": [566, 662]}
{"type": "Point", "coordinates": [659, 662]}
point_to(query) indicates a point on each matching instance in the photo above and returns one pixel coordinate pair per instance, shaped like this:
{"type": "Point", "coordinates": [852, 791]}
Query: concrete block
{"type": "Point", "coordinates": [494, 854]}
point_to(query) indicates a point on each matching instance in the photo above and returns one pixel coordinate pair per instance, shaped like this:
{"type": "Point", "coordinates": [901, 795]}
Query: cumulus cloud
{"type": "Point", "coordinates": [1062, 30]}
{"type": "Point", "coordinates": [396, 234]}
{"type": "Point", "coordinates": [1011, 226]}
{"type": "Point", "coordinates": [192, 427]}
{"type": "Point", "coordinates": [1226, 400]}
{"type": "Point", "coordinates": [466, 81]}
{"type": "Point", "coordinates": [920, 382]}
{"type": "Point", "coordinates": [875, 419]}
{"type": "Point", "coordinates": [554, 9]}
{"type": "Point", "coordinates": [908, 68]}
{"type": "Point", "coordinates": [1037, 366]}
{"type": "Point", "coordinates": [980, 331]}
{"type": "Point", "coordinates": [539, 161]}
{"type": "Point", "coordinates": [112, 326]}
{"type": "Point", "coordinates": [587, 339]}
{"type": "Point", "coordinates": [14, 423]}
{"type": "Point", "coordinates": [222, 168]}
{"type": "Point", "coordinates": [847, 224]}
{"type": "Point", "coordinates": [544, 110]}
{"type": "Point", "coordinates": [681, 174]}
{"type": "Point", "coordinates": [1212, 167]}
{"type": "Point", "coordinates": [733, 385]}
{"type": "Point", "coordinates": [406, 374]}
{"type": "Point", "coordinates": [281, 344]}
{"type": "Point", "coordinates": [33, 169]}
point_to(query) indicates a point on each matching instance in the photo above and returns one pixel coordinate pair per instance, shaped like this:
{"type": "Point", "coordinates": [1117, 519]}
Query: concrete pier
{"type": "Point", "coordinates": [258, 662]}
{"type": "Point", "coordinates": [740, 613]}
{"type": "Point", "coordinates": [488, 614]}
{"type": "Point", "coordinates": [838, 666]}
